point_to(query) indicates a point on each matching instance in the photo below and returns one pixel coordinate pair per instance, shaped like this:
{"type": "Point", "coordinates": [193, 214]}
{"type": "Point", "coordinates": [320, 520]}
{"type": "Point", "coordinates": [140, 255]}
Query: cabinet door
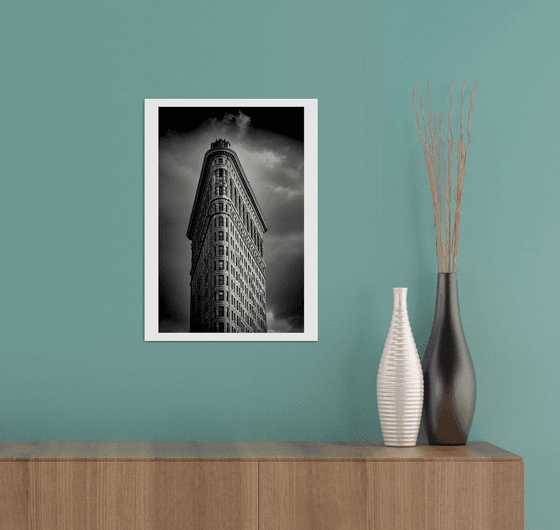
{"type": "Point", "coordinates": [14, 501]}
{"type": "Point", "coordinates": [326, 495]}
{"type": "Point", "coordinates": [208, 495]}
{"type": "Point", "coordinates": [143, 495]}
{"type": "Point", "coordinates": [415, 495]}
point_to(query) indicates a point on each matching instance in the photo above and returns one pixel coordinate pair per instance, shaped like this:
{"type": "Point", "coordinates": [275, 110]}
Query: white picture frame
{"type": "Point", "coordinates": [279, 160]}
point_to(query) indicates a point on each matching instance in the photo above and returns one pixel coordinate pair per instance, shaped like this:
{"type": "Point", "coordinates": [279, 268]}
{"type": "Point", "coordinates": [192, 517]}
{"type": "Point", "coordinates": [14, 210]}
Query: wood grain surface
{"type": "Point", "coordinates": [14, 486]}
{"type": "Point", "coordinates": [258, 485]}
{"type": "Point", "coordinates": [320, 495]}
{"type": "Point", "coordinates": [141, 495]}
{"type": "Point", "coordinates": [444, 495]}
{"type": "Point", "coordinates": [406, 495]}
{"type": "Point", "coordinates": [254, 451]}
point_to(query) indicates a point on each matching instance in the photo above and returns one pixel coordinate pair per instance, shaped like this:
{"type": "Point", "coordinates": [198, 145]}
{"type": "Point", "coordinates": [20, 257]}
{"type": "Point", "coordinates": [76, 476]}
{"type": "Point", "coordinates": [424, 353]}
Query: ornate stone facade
{"type": "Point", "coordinates": [226, 228]}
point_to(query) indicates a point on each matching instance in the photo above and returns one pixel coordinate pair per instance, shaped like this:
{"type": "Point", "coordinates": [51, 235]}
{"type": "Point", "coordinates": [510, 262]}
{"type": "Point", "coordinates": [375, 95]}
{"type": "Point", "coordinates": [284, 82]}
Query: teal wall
{"type": "Point", "coordinates": [74, 365]}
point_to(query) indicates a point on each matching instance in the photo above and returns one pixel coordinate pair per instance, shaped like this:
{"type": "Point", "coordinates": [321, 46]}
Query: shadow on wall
{"type": "Point", "coordinates": [366, 347]}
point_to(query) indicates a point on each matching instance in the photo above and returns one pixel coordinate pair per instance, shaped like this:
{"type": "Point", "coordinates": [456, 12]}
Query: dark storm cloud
{"type": "Point", "coordinates": [285, 215]}
{"type": "Point", "coordinates": [285, 283]}
{"type": "Point", "coordinates": [288, 173]}
{"type": "Point", "coordinates": [272, 157]}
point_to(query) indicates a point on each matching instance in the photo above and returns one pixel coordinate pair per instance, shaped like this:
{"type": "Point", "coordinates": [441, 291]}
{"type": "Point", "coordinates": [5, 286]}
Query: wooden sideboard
{"type": "Point", "coordinates": [259, 486]}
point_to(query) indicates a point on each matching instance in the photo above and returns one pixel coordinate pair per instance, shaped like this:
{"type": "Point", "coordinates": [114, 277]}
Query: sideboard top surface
{"type": "Point", "coordinates": [261, 451]}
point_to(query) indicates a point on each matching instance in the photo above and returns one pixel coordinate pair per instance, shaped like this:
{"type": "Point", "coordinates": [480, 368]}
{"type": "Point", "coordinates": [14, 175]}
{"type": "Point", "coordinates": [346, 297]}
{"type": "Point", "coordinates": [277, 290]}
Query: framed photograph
{"type": "Point", "coordinates": [231, 220]}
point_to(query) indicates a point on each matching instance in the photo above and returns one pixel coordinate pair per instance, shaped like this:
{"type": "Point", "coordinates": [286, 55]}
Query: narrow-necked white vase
{"type": "Point", "coordinates": [400, 384]}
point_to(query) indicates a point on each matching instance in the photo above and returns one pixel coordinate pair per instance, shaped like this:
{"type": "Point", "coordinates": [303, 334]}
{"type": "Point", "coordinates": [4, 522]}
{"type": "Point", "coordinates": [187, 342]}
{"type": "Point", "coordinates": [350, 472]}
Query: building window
{"type": "Point", "coordinates": [220, 160]}
{"type": "Point", "coordinates": [221, 236]}
{"type": "Point", "coordinates": [221, 221]}
{"type": "Point", "coordinates": [220, 295]}
{"type": "Point", "coordinates": [221, 264]}
{"type": "Point", "coordinates": [221, 311]}
{"type": "Point", "coordinates": [221, 206]}
{"type": "Point", "coordinates": [221, 250]}
{"type": "Point", "coordinates": [221, 327]}
{"type": "Point", "coordinates": [221, 280]}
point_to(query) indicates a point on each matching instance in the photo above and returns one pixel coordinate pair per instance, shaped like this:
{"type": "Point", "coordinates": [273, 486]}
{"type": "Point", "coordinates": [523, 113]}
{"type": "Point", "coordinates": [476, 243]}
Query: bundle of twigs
{"type": "Point", "coordinates": [437, 150]}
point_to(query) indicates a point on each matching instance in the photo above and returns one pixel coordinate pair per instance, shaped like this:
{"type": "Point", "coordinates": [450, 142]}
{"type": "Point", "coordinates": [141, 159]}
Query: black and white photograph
{"type": "Point", "coordinates": [231, 220]}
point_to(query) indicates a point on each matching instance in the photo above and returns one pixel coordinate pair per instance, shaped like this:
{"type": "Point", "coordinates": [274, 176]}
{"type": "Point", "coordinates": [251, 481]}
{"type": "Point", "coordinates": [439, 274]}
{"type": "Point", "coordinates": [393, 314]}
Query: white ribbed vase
{"type": "Point", "coordinates": [400, 384]}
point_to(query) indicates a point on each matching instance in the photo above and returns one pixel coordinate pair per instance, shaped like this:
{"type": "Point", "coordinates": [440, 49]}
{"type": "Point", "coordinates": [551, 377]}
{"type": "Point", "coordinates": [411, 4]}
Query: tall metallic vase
{"type": "Point", "coordinates": [449, 378]}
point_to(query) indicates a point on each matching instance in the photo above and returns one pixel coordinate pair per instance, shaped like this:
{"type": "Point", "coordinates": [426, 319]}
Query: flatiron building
{"type": "Point", "coordinates": [226, 229]}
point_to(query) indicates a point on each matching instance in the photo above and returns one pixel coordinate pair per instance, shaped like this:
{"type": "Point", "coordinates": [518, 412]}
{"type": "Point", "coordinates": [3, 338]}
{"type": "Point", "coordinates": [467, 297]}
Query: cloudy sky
{"type": "Point", "coordinates": [269, 144]}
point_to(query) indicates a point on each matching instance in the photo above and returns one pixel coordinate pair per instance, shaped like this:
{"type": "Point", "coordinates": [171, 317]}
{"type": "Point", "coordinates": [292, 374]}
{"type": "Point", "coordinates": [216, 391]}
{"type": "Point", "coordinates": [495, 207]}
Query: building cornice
{"type": "Point", "coordinates": [202, 182]}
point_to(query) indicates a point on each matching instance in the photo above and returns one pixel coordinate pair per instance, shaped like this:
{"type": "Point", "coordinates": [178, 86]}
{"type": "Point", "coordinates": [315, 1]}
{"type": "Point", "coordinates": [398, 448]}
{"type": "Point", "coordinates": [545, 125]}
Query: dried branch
{"type": "Point", "coordinates": [436, 149]}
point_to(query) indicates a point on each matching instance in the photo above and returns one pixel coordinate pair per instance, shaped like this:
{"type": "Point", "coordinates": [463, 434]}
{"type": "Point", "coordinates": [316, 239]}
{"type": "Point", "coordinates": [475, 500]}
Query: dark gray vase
{"type": "Point", "coordinates": [449, 378]}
